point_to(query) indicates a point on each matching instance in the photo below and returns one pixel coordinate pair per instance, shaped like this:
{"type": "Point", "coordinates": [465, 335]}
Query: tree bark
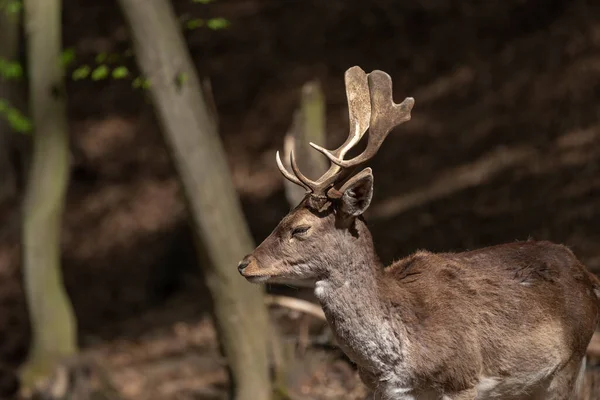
{"type": "Point", "coordinates": [218, 221]}
{"type": "Point", "coordinates": [51, 313]}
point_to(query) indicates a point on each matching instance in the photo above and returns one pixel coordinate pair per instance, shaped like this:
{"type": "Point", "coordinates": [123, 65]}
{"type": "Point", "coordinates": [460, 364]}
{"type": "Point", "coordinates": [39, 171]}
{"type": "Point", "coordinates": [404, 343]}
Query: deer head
{"type": "Point", "coordinates": [305, 242]}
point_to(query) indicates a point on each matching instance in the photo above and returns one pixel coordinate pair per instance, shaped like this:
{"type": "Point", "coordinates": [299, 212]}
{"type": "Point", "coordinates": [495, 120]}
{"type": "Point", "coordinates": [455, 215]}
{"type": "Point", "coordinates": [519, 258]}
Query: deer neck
{"type": "Point", "coordinates": [354, 267]}
{"type": "Point", "coordinates": [351, 299]}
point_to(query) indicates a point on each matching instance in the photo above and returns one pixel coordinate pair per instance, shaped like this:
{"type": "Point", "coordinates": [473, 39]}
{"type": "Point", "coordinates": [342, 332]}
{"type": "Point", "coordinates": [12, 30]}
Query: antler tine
{"type": "Point", "coordinates": [385, 115]}
{"type": "Point", "coordinates": [359, 112]}
{"type": "Point", "coordinates": [305, 181]}
{"type": "Point", "coordinates": [287, 175]}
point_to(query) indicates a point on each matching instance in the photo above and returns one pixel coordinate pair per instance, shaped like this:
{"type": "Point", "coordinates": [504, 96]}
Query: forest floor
{"type": "Point", "coordinates": [504, 145]}
{"type": "Point", "coordinates": [170, 353]}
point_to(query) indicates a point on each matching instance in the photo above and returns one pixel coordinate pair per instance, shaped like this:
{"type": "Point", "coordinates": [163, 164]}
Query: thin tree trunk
{"type": "Point", "coordinates": [218, 221]}
{"type": "Point", "coordinates": [53, 322]}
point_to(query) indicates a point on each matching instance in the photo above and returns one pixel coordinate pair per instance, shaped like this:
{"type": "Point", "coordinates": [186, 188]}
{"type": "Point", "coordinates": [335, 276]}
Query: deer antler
{"type": "Point", "coordinates": [370, 103]}
{"type": "Point", "coordinates": [385, 116]}
{"type": "Point", "coordinates": [359, 109]}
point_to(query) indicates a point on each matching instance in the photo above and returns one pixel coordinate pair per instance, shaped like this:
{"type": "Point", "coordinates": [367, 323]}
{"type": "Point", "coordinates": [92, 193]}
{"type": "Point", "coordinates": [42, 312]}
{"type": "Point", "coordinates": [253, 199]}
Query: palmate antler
{"type": "Point", "coordinates": [370, 107]}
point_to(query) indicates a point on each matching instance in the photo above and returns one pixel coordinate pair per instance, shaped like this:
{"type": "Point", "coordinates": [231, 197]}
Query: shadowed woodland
{"type": "Point", "coordinates": [503, 145]}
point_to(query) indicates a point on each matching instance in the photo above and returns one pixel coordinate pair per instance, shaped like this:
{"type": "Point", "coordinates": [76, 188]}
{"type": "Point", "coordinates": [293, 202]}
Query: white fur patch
{"type": "Point", "coordinates": [399, 393]}
{"type": "Point", "coordinates": [580, 377]}
{"type": "Point", "coordinates": [321, 288]}
{"type": "Point", "coordinates": [400, 390]}
{"type": "Point", "coordinates": [486, 385]}
{"type": "Point", "coordinates": [497, 388]}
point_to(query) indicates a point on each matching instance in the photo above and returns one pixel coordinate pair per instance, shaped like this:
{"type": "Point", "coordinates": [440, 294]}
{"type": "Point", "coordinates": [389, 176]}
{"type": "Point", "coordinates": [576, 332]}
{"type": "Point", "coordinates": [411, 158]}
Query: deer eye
{"type": "Point", "coordinates": [300, 230]}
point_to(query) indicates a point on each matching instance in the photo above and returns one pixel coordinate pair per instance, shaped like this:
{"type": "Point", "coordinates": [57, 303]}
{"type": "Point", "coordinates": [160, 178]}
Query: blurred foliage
{"type": "Point", "coordinates": [181, 79]}
{"type": "Point", "coordinates": [108, 66]}
{"type": "Point", "coordinates": [217, 23]}
{"type": "Point", "coordinates": [211, 23]}
{"type": "Point", "coordinates": [140, 82]}
{"type": "Point", "coordinates": [17, 121]}
{"type": "Point", "coordinates": [11, 6]}
{"type": "Point", "coordinates": [10, 69]}
{"type": "Point", "coordinates": [68, 57]}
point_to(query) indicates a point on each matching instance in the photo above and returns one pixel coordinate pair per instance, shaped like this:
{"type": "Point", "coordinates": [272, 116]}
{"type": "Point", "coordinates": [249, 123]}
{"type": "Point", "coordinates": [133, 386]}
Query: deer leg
{"type": "Point", "coordinates": [367, 378]}
{"type": "Point", "coordinates": [377, 390]}
{"type": "Point", "coordinates": [564, 385]}
{"type": "Point", "coordinates": [370, 382]}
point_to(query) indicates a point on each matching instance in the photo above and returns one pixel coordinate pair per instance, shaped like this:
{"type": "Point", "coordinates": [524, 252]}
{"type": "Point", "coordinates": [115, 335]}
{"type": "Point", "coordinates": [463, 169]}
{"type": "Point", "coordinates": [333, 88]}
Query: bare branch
{"type": "Point", "coordinates": [296, 304]}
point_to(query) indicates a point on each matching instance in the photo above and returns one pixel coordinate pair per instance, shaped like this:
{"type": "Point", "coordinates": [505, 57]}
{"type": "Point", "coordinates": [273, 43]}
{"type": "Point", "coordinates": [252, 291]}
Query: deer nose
{"type": "Point", "coordinates": [243, 264]}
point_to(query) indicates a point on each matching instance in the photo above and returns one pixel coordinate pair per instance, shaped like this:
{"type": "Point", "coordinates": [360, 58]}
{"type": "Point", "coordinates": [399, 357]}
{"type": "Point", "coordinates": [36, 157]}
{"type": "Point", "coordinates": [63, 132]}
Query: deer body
{"type": "Point", "coordinates": [506, 322]}
{"type": "Point", "coordinates": [493, 321]}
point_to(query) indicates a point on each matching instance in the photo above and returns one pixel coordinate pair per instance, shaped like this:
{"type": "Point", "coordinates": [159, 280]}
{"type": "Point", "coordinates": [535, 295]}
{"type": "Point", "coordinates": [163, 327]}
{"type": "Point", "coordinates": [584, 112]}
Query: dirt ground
{"type": "Point", "coordinates": [504, 145]}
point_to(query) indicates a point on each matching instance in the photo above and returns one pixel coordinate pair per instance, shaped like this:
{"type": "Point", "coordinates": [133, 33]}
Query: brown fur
{"type": "Point", "coordinates": [506, 308]}
{"type": "Point", "coordinates": [440, 323]}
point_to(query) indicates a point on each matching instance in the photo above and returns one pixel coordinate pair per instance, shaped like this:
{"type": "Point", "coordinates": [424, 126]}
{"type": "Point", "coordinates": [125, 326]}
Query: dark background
{"type": "Point", "coordinates": [513, 82]}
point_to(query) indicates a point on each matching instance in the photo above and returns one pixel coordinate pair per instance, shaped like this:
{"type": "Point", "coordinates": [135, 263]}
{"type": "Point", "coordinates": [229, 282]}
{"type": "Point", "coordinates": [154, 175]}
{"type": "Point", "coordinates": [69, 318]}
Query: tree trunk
{"type": "Point", "coordinates": [52, 319]}
{"type": "Point", "coordinates": [218, 221]}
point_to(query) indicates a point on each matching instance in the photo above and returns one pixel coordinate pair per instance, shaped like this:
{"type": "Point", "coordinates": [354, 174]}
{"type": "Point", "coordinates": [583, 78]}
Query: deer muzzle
{"type": "Point", "coordinates": [243, 264]}
{"type": "Point", "coordinates": [250, 270]}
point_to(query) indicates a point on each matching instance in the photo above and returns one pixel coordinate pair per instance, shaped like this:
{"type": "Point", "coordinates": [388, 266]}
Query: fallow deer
{"type": "Point", "coordinates": [505, 322]}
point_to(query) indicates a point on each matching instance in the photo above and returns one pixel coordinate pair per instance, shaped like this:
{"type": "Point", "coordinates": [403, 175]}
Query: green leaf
{"type": "Point", "coordinates": [81, 73]}
{"type": "Point", "coordinates": [100, 58]}
{"type": "Point", "coordinates": [14, 70]}
{"type": "Point", "coordinates": [194, 23]}
{"type": "Point", "coordinates": [18, 121]}
{"type": "Point", "coordinates": [202, 1]}
{"type": "Point", "coordinates": [100, 72]}
{"type": "Point", "coordinates": [217, 23]}
{"type": "Point", "coordinates": [10, 70]}
{"type": "Point", "coordinates": [120, 72]}
{"type": "Point", "coordinates": [140, 82]}
{"type": "Point", "coordinates": [15, 119]}
{"type": "Point", "coordinates": [14, 6]}
{"type": "Point", "coordinates": [182, 78]}
{"type": "Point", "coordinates": [67, 57]}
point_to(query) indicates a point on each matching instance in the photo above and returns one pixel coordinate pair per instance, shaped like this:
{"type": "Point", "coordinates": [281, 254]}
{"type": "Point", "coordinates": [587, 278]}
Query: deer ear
{"type": "Point", "coordinates": [357, 193]}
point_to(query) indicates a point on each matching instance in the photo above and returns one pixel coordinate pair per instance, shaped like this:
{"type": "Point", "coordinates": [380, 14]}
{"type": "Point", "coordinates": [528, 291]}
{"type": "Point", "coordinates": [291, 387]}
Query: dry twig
{"type": "Point", "coordinates": [296, 304]}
